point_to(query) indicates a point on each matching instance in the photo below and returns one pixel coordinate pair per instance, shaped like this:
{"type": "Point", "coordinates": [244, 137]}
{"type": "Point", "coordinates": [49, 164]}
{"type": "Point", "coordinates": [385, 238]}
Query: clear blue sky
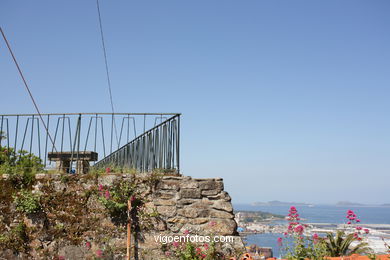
{"type": "Point", "coordinates": [286, 100]}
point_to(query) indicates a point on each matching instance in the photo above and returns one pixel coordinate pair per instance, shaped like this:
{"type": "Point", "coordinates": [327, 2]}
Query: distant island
{"type": "Point", "coordinates": [244, 216]}
{"type": "Point", "coordinates": [280, 203]}
{"type": "Point", "coordinates": [354, 204]}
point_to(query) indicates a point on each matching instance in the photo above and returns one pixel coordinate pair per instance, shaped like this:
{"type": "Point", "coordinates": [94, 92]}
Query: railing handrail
{"type": "Point", "coordinates": [61, 114]}
{"type": "Point", "coordinates": [138, 137]}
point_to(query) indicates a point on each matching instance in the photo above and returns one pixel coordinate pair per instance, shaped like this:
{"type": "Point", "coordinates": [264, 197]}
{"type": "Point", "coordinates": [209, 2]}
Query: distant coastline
{"type": "Point", "coordinates": [340, 203]}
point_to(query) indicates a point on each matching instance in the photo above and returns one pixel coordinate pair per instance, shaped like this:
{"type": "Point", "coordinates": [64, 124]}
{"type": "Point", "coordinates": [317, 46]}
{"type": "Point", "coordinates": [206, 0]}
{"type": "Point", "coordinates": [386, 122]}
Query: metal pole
{"type": "Point", "coordinates": [178, 144]}
{"type": "Point", "coordinates": [1, 129]}
{"type": "Point", "coordinates": [128, 228]}
{"type": "Point", "coordinates": [47, 135]}
{"type": "Point", "coordinates": [16, 133]}
{"type": "Point", "coordinates": [32, 133]}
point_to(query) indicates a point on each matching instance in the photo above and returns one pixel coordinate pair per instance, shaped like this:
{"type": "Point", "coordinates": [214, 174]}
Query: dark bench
{"type": "Point", "coordinates": [82, 160]}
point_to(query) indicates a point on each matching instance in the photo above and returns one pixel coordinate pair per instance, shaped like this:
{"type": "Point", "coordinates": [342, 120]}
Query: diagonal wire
{"type": "Point", "coordinates": [106, 64]}
{"type": "Point", "coordinates": [28, 89]}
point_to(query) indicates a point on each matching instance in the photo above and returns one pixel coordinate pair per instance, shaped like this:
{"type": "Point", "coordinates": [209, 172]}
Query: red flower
{"type": "Point", "coordinates": [299, 229]}
{"type": "Point", "coordinates": [107, 194]}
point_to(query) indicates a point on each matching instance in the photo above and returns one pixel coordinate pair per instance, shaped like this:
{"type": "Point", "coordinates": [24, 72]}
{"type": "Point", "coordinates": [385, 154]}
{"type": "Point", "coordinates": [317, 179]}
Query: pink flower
{"type": "Point", "coordinates": [366, 231]}
{"type": "Point", "coordinates": [299, 229]}
{"type": "Point", "coordinates": [280, 241]}
{"type": "Point", "coordinates": [186, 232]}
{"type": "Point", "coordinates": [349, 223]}
{"type": "Point", "coordinates": [107, 194]}
{"type": "Point", "coordinates": [99, 253]}
{"type": "Point", "coordinates": [358, 228]}
{"type": "Point", "coordinates": [175, 244]}
{"type": "Point", "coordinates": [198, 250]}
{"type": "Point", "coordinates": [315, 238]}
{"type": "Point", "coordinates": [167, 253]}
{"type": "Point", "coordinates": [88, 245]}
{"type": "Point", "coordinates": [206, 246]}
{"type": "Point", "coordinates": [357, 220]}
{"type": "Point", "coordinates": [108, 170]}
{"type": "Point", "coordinates": [61, 257]}
{"type": "Point", "coordinates": [100, 187]}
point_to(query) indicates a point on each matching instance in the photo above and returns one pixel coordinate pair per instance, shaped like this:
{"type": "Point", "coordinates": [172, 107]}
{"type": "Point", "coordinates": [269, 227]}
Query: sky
{"type": "Point", "coordinates": [285, 100]}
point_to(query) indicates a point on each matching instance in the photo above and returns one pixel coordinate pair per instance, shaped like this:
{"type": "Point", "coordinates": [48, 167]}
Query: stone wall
{"type": "Point", "coordinates": [185, 205]}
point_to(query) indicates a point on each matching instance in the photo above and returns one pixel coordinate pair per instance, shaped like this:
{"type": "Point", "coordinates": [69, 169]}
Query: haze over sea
{"type": "Point", "coordinates": [316, 214]}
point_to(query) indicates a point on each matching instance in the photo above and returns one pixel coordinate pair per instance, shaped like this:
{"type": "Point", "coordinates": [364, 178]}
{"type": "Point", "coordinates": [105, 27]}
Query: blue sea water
{"type": "Point", "coordinates": [316, 214]}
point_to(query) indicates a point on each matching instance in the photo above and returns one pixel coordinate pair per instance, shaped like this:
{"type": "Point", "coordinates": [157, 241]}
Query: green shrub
{"type": "Point", "coordinates": [21, 166]}
{"type": "Point", "coordinates": [27, 202]}
{"type": "Point", "coordinates": [15, 239]}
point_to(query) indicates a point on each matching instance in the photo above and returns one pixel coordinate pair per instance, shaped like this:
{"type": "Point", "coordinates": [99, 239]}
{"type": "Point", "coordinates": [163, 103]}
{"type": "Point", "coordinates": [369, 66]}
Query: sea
{"type": "Point", "coordinates": [314, 214]}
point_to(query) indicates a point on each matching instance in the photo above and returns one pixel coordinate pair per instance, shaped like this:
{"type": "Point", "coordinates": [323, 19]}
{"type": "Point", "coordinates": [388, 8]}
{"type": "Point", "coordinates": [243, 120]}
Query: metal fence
{"type": "Point", "coordinates": [143, 141]}
{"type": "Point", "coordinates": [156, 148]}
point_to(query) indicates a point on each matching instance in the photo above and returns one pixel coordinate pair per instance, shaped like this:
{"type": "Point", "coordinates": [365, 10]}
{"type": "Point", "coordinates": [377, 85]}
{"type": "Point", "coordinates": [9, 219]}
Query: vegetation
{"type": "Point", "coordinates": [341, 244]}
{"type": "Point", "coordinates": [21, 166]}
{"type": "Point", "coordinates": [258, 216]}
{"type": "Point", "coordinates": [15, 239]}
{"type": "Point", "coordinates": [316, 247]}
{"type": "Point", "coordinates": [115, 199]}
{"type": "Point", "coordinates": [27, 202]}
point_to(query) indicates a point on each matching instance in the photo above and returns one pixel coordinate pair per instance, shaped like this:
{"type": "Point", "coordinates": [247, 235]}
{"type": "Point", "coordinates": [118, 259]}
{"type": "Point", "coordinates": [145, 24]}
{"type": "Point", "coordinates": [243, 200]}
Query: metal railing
{"type": "Point", "coordinates": [143, 141]}
{"type": "Point", "coordinates": [157, 148]}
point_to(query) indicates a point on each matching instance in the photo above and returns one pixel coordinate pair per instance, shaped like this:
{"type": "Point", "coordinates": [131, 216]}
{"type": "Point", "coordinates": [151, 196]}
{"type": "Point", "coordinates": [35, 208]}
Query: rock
{"type": "Point", "coordinates": [164, 194]}
{"type": "Point", "coordinates": [221, 196]}
{"type": "Point", "coordinates": [211, 185]}
{"type": "Point", "coordinates": [198, 221]}
{"type": "Point", "coordinates": [220, 214]}
{"type": "Point", "coordinates": [186, 202]}
{"type": "Point", "coordinates": [168, 185]}
{"type": "Point", "coordinates": [209, 192]}
{"type": "Point", "coordinates": [168, 211]}
{"type": "Point", "coordinates": [223, 205]}
{"type": "Point", "coordinates": [190, 194]}
{"type": "Point", "coordinates": [189, 185]}
{"type": "Point", "coordinates": [223, 227]}
{"type": "Point", "coordinates": [191, 212]}
{"type": "Point", "coordinates": [164, 203]}
{"type": "Point", "coordinates": [40, 176]}
{"type": "Point", "coordinates": [73, 252]}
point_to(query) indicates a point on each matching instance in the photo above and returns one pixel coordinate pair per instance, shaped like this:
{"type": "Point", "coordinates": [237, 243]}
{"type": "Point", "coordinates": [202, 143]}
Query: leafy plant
{"type": "Point", "coordinates": [27, 202]}
{"type": "Point", "coordinates": [21, 166]}
{"type": "Point", "coordinates": [15, 239]}
{"type": "Point", "coordinates": [192, 251]}
{"type": "Point", "coordinates": [316, 247]}
{"type": "Point", "coordinates": [341, 244]}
